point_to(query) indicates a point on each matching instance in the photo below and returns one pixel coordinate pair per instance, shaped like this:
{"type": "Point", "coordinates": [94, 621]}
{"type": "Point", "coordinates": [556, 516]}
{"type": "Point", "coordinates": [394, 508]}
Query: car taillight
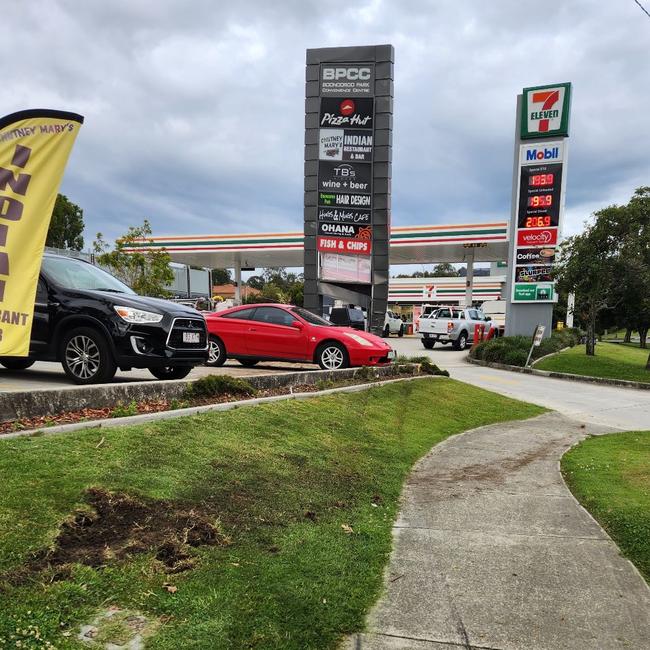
{"type": "Point", "coordinates": [450, 326]}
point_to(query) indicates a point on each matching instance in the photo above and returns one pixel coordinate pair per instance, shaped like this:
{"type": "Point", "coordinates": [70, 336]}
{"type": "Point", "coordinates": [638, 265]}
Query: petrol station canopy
{"type": "Point", "coordinates": [433, 244]}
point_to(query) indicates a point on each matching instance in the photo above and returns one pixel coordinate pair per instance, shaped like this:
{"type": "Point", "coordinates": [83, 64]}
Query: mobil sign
{"type": "Point", "coordinates": [543, 152]}
{"type": "Point", "coordinates": [545, 111]}
{"type": "Point", "coordinates": [531, 237]}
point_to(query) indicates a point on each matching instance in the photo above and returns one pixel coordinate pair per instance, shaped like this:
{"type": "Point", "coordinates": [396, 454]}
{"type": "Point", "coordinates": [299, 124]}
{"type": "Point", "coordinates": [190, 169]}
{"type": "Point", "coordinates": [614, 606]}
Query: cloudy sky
{"type": "Point", "coordinates": [194, 110]}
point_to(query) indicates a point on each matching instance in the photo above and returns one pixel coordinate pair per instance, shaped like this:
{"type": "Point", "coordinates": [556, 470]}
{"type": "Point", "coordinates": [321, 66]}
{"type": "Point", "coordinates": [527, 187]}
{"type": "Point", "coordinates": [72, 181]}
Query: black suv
{"type": "Point", "coordinates": [93, 323]}
{"type": "Point", "coordinates": [348, 317]}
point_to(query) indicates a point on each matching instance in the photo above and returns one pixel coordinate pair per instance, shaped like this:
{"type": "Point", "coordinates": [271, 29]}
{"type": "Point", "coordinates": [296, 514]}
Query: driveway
{"type": "Point", "coordinates": [620, 408]}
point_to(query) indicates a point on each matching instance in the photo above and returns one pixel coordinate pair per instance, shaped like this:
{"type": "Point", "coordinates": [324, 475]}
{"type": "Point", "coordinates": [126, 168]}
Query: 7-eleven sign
{"type": "Point", "coordinates": [545, 111]}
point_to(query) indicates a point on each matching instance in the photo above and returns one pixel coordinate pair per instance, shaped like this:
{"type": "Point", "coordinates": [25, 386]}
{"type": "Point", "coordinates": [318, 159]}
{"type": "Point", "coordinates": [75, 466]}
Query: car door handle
{"type": "Point", "coordinates": [54, 304]}
{"type": "Point", "coordinates": [252, 329]}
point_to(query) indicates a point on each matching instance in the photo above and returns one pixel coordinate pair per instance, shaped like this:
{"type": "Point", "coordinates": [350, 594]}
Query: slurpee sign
{"type": "Point", "coordinates": [545, 111]}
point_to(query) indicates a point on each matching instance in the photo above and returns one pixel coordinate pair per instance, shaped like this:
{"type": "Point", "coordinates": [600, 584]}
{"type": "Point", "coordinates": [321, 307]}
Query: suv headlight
{"type": "Point", "coordinates": [132, 315]}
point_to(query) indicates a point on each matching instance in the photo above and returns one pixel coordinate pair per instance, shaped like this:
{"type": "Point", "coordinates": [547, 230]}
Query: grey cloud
{"type": "Point", "coordinates": [194, 111]}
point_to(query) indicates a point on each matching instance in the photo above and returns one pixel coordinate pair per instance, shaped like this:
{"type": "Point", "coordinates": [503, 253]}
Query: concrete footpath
{"type": "Point", "coordinates": [491, 550]}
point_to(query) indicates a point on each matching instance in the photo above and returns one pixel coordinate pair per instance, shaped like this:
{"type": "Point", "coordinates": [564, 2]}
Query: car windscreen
{"type": "Point", "coordinates": [312, 319]}
{"type": "Point", "coordinates": [70, 273]}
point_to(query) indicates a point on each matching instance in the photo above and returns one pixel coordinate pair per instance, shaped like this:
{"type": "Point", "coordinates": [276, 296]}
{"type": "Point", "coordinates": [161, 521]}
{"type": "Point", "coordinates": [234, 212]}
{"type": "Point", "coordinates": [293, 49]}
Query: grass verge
{"type": "Point", "coordinates": [610, 476]}
{"type": "Point", "coordinates": [265, 527]}
{"type": "Point", "coordinates": [613, 361]}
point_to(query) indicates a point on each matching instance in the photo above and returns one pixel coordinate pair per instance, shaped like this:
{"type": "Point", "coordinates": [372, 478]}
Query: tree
{"type": "Point", "coordinates": [277, 285]}
{"type": "Point", "coordinates": [66, 225]}
{"type": "Point", "coordinates": [588, 265]}
{"type": "Point", "coordinates": [221, 276]}
{"type": "Point", "coordinates": [256, 282]}
{"type": "Point", "coordinates": [145, 270]}
{"type": "Point", "coordinates": [445, 270]}
{"type": "Point", "coordinates": [608, 267]}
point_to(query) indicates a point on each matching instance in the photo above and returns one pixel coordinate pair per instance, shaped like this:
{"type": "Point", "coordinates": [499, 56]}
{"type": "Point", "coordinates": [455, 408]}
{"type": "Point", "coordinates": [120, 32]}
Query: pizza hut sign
{"type": "Point", "coordinates": [537, 237]}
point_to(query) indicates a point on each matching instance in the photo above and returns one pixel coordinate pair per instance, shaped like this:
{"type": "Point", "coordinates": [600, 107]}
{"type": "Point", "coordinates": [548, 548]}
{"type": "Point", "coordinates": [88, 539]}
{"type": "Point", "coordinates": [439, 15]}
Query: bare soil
{"type": "Point", "coordinates": [115, 526]}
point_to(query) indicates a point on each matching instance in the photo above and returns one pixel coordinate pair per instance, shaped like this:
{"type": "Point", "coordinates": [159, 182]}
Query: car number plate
{"type": "Point", "coordinates": [191, 337]}
{"type": "Point", "coordinates": [391, 354]}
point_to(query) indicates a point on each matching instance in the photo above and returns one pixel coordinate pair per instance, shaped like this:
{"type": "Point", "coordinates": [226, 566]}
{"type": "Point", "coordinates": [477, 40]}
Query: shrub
{"type": "Point", "coordinates": [513, 350]}
{"type": "Point", "coordinates": [425, 363]}
{"type": "Point", "coordinates": [515, 357]}
{"type": "Point", "coordinates": [123, 411]}
{"type": "Point", "coordinates": [218, 385]}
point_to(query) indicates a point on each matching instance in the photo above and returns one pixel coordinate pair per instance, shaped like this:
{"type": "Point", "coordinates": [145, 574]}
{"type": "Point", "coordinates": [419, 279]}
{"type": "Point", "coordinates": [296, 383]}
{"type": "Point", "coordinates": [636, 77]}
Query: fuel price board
{"type": "Point", "coordinates": [539, 215]}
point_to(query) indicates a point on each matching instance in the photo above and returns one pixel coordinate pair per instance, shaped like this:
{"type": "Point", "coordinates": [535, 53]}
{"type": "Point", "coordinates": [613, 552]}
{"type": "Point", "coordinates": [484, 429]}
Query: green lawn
{"type": "Point", "coordinates": [612, 360]}
{"type": "Point", "coordinates": [302, 494]}
{"type": "Point", "coordinates": [610, 476]}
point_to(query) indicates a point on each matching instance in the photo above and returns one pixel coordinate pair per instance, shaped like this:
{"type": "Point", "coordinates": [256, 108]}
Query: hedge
{"type": "Point", "coordinates": [513, 350]}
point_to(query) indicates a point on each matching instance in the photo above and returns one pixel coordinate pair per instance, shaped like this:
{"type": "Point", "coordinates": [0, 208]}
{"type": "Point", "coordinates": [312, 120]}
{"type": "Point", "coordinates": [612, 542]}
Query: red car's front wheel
{"type": "Point", "coordinates": [332, 356]}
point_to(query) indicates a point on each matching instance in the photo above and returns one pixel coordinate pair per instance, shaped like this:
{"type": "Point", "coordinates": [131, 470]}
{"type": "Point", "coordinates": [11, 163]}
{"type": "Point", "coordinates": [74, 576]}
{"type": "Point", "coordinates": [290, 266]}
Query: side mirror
{"type": "Point", "coordinates": [488, 318]}
{"type": "Point", "coordinates": [298, 325]}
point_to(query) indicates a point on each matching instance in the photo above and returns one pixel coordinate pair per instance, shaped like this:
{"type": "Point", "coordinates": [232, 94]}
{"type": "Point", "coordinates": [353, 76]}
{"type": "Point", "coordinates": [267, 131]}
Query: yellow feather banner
{"type": "Point", "coordinates": [34, 150]}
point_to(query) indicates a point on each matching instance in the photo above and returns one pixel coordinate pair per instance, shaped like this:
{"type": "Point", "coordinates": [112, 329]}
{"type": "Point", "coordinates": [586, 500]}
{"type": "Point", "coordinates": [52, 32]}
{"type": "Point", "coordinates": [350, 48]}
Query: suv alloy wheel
{"type": "Point", "coordinates": [86, 356]}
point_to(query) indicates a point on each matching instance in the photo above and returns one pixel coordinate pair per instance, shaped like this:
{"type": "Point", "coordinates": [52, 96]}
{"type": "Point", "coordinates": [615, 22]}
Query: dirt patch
{"type": "Point", "coordinates": [492, 473]}
{"type": "Point", "coordinates": [115, 526]}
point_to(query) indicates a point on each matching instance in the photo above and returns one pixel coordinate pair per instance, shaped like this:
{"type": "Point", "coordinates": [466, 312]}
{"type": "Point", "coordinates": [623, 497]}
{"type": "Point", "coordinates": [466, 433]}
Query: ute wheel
{"type": "Point", "coordinates": [428, 344]}
{"type": "Point", "coordinates": [332, 356]}
{"type": "Point", "coordinates": [16, 363]}
{"type": "Point", "coordinates": [86, 356]}
{"type": "Point", "coordinates": [248, 363]}
{"type": "Point", "coordinates": [401, 331]}
{"type": "Point", "coordinates": [461, 342]}
{"type": "Point", "coordinates": [386, 333]}
{"type": "Point", "coordinates": [171, 372]}
{"type": "Point", "coordinates": [216, 352]}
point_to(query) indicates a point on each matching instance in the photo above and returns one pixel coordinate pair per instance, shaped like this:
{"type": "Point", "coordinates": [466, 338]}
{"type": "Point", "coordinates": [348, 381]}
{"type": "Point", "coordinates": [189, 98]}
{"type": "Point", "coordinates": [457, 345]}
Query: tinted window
{"type": "Point", "coordinates": [473, 314]}
{"type": "Point", "coordinates": [356, 315]}
{"type": "Point", "coordinates": [273, 315]}
{"type": "Point", "coordinates": [443, 313]}
{"type": "Point", "coordinates": [339, 316]}
{"type": "Point", "coordinates": [76, 274]}
{"type": "Point", "coordinates": [240, 314]}
{"type": "Point", "coordinates": [312, 319]}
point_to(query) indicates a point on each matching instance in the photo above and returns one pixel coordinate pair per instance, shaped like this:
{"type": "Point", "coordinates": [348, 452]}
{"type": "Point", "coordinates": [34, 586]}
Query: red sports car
{"type": "Point", "coordinates": [273, 332]}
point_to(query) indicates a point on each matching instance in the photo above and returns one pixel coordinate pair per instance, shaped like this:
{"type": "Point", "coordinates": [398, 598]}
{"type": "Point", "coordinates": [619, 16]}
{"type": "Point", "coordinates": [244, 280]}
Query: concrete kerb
{"type": "Point", "coordinates": [17, 405]}
{"type": "Point", "coordinates": [623, 383]}
{"type": "Point", "coordinates": [195, 410]}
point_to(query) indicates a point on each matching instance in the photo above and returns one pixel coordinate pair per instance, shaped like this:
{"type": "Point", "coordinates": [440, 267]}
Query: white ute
{"type": "Point", "coordinates": [393, 324]}
{"type": "Point", "coordinates": [452, 325]}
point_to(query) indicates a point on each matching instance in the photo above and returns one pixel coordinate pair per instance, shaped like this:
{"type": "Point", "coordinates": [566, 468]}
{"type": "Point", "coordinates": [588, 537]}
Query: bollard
{"type": "Point", "coordinates": [477, 334]}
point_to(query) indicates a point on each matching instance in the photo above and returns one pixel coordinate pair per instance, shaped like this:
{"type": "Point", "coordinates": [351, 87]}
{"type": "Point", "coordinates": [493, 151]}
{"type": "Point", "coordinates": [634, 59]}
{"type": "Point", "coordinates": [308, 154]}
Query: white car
{"type": "Point", "coordinates": [393, 324]}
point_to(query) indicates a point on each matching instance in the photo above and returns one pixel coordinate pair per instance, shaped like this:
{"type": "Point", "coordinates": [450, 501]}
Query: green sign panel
{"type": "Point", "coordinates": [533, 292]}
{"type": "Point", "coordinates": [545, 111]}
